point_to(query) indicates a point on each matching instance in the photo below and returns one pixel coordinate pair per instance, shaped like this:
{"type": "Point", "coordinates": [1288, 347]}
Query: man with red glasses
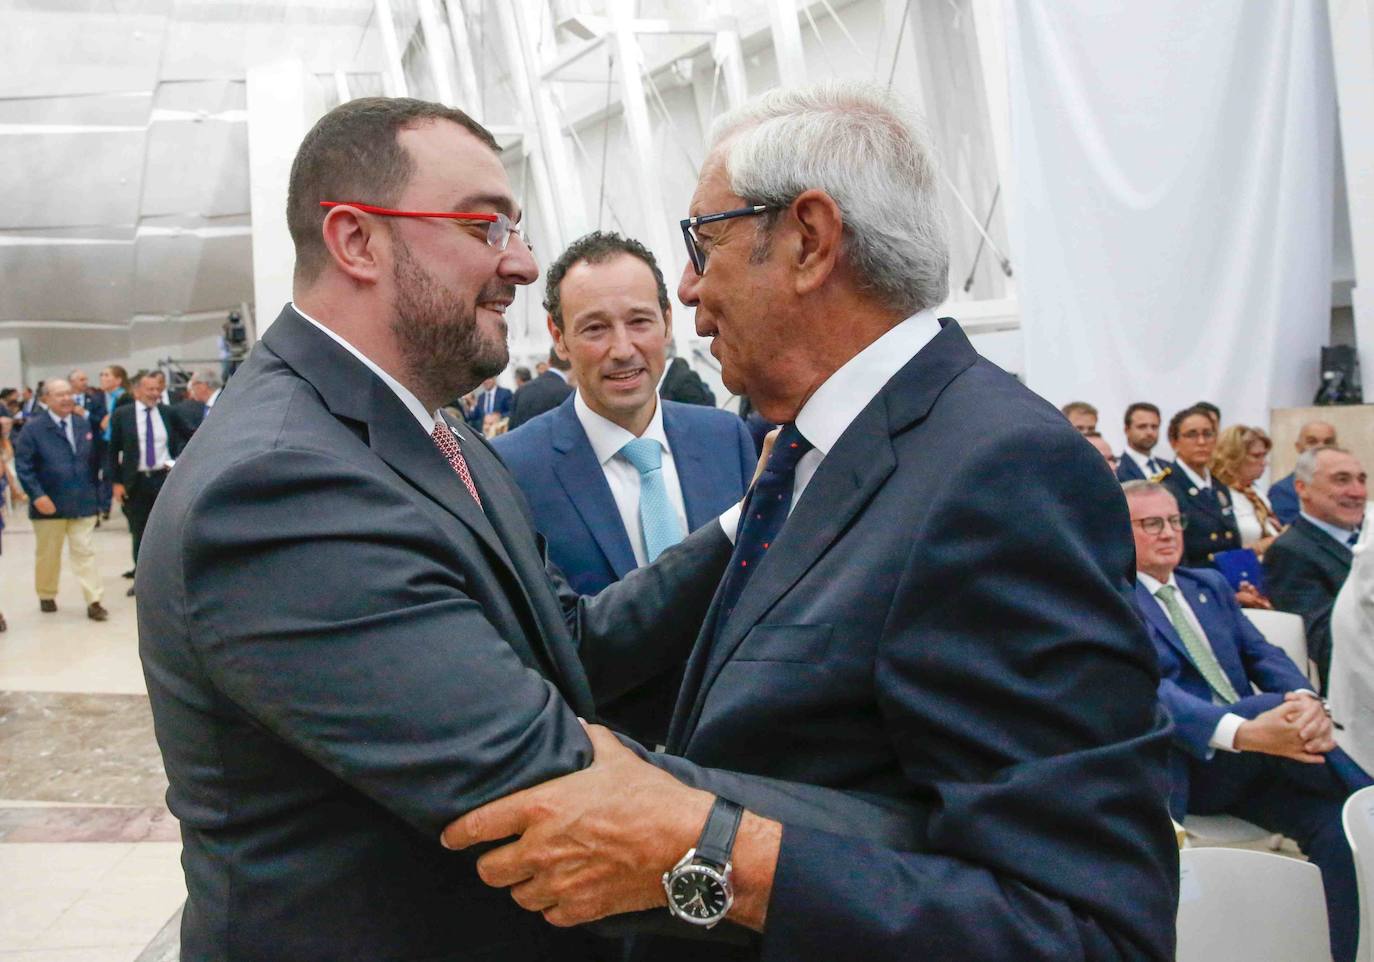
{"type": "Point", "coordinates": [1268, 757]}
{"type": "Point", "coordinates": [347, 626]}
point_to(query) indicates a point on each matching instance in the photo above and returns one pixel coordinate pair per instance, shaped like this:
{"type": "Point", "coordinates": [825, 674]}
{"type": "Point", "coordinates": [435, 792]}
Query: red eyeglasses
{"type": "Point", "coordinates": [498, 233]}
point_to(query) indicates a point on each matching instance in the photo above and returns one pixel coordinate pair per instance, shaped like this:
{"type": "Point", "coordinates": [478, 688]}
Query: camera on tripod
{"type": "Point", "coordinates": [236, 335]}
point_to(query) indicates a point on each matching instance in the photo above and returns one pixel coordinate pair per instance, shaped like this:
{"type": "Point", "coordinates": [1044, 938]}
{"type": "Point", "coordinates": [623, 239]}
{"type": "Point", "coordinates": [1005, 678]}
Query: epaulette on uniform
{"type": "Point", "coordinates": [1162, 475]}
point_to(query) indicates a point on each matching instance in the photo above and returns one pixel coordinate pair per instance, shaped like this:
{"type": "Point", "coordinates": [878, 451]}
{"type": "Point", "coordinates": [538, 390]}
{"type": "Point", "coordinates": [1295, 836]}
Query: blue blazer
{"type": "Point", "coordinates": [1283, 498]}
{"type": "Point", "coordinates": [46, 465]}
{"type": "Point", "coordinates": [1249, 662]}
{"type": "Point", "coordinates": [503, 407]}
{"type": "Point", "coordinates": [554, 464]}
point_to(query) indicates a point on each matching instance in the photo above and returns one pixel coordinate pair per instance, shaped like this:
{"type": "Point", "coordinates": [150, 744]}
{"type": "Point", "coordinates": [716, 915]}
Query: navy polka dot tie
{"type": "Point", "coordinates": [764, 514]}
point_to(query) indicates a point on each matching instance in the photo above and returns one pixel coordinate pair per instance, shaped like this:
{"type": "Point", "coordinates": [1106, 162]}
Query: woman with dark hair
{"type": "Point", "coordinates": [1202, 499]}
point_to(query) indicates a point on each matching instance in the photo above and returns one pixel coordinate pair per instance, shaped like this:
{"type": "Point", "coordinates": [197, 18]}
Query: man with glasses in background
{"type": "Point", "coordinates": [1270, 757]}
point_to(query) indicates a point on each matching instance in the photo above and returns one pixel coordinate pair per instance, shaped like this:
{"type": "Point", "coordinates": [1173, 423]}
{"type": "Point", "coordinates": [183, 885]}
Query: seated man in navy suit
{"type": "Point", "coordinates": [1138, 462]}
{"type": "Point", "coordinates": [493, 402]}
{"type": "Point", "coordinates": [615, 475]}
{"type": "Point", "coordinates": [1267, 756]}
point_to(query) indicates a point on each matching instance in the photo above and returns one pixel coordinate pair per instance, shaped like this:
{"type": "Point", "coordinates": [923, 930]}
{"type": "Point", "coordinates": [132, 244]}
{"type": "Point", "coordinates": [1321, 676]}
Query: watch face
{"type": "Point", "coordinates": [699, 894]}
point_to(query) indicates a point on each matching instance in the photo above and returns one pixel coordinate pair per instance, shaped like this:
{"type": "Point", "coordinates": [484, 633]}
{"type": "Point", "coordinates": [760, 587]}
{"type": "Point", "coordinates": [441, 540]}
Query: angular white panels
{"type": "Point", "coordinates": [67, 275]}
{"type": "Point", "coordinates": [71, 176]}
{"type": "Point", "coordinates": [197, 267]}
{"type": "Point", "coordinates": [48, 53]}
{"type": "Point", "coordinates": [197, 158]}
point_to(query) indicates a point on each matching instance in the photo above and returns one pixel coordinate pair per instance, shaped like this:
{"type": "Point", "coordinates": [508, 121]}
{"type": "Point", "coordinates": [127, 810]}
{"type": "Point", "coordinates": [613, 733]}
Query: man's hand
{"type": "Point", "coordinates": [44, 505]}
{"type": "Point", "coordinates": [1314, 724]}
{"type": "Point", "coordinates": [593, 843]}
{"type": "Point", "coordinates": [1278, 732]}
{"type": "Point", "coordinates": [117, 490]}
{"type": "Point", "coordinates": [1248, 596]}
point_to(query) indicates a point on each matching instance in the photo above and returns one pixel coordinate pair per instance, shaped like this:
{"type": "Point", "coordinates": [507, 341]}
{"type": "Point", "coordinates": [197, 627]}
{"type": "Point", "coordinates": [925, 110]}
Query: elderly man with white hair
{"type": "Point", "coordinates": [902, 617]}
{"type": "Point", "coordinates": [201, 393]}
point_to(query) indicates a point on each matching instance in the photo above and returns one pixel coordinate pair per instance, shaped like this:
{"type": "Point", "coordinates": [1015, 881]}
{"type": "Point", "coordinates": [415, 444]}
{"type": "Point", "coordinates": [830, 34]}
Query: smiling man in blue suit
{"type": "Point", "coordinates": [614, 475]}
{"type": "Point", "coordinates": [1267, 756]}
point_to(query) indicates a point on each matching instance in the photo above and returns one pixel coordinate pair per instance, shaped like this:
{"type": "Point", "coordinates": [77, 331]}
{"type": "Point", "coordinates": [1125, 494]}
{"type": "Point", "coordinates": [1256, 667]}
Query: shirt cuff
{"type": "Point", "coordinates": [729, 521]}
{"type": "Point", "coordinates": [1224, 737]}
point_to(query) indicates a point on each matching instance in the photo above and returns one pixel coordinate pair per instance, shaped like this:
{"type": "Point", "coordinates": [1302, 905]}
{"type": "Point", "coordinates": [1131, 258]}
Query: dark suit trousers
{"type": "Point", "coordinates": [1303, 802]}
{"type": "Point", "coordinates": [138, 504]}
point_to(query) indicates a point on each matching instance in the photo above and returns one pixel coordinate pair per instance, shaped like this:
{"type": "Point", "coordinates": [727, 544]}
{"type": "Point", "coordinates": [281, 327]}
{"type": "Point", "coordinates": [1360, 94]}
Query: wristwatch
{"type": "Point", "coordinates": [698, 886]}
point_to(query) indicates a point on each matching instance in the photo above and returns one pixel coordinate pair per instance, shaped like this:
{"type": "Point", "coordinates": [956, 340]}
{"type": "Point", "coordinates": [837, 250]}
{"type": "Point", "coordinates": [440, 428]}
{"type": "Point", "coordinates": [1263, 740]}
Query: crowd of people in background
{"type": "Point", "coordinates": [1253, 736]}
{"type": "Point", "coordinates": [71, 451]}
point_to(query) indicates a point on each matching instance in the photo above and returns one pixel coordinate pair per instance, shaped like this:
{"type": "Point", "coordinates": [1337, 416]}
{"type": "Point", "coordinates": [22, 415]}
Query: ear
{"type": "Point", "coordinates": [556, 333]}
{"type": "Point", "coordinates": [357, 244]}
{"type": "Point", "coordinates": [820, 231]}
{"type": "Point", "coordinates": [668, 323]}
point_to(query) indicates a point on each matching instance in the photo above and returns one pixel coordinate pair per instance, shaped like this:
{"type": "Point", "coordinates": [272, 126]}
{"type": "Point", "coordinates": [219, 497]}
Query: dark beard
{"type": "Point", "coordinates": [441, 343]}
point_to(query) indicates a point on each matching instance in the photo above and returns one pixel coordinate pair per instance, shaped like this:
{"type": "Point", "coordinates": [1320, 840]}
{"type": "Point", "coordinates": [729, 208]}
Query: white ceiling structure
{"type": "Point", "coordinates": [125, 226]}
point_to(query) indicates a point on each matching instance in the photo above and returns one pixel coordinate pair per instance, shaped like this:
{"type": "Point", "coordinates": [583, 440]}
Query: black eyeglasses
{"type": "Point", "coordinates": [1156, 524]}
{"type": "Point", "coordinates": [690, 224]}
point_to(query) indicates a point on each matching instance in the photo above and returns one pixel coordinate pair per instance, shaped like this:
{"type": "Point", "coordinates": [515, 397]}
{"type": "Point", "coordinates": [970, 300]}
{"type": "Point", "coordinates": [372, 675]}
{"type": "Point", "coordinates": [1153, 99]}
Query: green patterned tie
{"type": "Point", "coordinates": [1198, 649]}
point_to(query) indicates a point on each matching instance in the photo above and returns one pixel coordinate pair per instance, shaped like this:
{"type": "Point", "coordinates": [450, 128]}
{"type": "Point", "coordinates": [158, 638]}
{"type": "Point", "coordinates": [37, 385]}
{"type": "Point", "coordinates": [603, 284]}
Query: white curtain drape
{"type": "Point", "coordinates": [1173, 201]}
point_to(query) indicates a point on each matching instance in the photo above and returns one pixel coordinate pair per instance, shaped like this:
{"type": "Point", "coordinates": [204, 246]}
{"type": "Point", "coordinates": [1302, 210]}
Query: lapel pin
{"type": "Point", "coordinates": [1193, 492]}
{"type": "Point", "coordinates": [1202, 599]}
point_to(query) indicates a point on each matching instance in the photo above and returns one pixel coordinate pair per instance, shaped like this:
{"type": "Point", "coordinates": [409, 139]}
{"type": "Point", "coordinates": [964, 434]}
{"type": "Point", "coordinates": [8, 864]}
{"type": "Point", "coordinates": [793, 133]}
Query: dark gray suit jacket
{"type": "Point", "coordinates": [1304, 570]}
{"type": "Point", "coordinates": [343, 653]}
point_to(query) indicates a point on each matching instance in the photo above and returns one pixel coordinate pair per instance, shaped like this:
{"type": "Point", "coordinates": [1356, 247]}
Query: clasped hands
{"type": "Point", "coordinates": [591, 844]}
{"type": "Point", "coordinates": [1299, 728]}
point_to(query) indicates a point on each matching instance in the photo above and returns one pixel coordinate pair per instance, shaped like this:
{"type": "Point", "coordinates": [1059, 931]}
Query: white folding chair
{"type": "Point", "coordinates": [1283, 629]}
{"type": "Point", "coordinates": [1358, 818]}
{"type": "Point", "coordinates": [1205, 831]}
{"type": "Point", "coordinates": [1241, 906]}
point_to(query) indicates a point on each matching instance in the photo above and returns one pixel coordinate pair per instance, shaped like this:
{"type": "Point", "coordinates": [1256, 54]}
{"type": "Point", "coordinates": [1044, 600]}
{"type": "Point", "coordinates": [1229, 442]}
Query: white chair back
{"type": "Point", "coordinates": [1284, 630]}
{"type": "Point", "coordinates": [1241, 906]}
{"type": "Point", "coordinates": [1358, 818]}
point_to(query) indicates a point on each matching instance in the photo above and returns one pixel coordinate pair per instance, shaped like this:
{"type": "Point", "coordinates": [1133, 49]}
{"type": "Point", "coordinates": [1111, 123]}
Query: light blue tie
{"type": "Point", "coordinates": [657, 518]}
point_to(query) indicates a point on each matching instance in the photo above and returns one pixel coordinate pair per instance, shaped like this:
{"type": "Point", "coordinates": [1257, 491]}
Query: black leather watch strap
{"type": "Point", "coordinates": [718, 835]}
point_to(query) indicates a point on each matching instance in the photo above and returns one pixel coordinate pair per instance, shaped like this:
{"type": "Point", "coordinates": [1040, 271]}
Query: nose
{"type": "Point", "coordinates": [622, 345]}
{"type": "Point", "coordinates": [517, 261]}
{"type": "Point", "coordinates": [687, 285]}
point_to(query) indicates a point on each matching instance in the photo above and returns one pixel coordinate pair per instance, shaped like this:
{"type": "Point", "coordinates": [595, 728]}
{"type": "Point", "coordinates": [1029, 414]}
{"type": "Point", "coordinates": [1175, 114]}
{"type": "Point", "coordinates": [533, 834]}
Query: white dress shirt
{"type": "Point", "coordinates": [161, 456]}
{"type": "Point", "coordinates": [66, 427]}
{"type": "Point", "coordinates": [830, 411]}
{"type": "Point", "coordinates": [607, 438]}
{"type": "Point", "coordinates": [1224, 735]}
{"type": "Point", "coordinates": [1199, 481]}
{"type": "Point", "coordinates": [215, 397]}
{"type": "Point", "coordinates": [1251, 528]}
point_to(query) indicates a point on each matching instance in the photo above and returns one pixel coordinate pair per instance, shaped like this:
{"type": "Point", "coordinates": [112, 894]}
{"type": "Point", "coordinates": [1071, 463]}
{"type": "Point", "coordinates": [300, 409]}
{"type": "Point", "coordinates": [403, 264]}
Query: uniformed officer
{"type": "Point", "coordinates": [1206, 504]}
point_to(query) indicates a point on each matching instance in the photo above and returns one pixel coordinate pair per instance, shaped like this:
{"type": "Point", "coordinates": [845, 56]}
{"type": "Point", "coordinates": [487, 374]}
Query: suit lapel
{"type": "Point", "coordinates": [692, 460]}
{"type": "Point", "coordinates": [350, 390]}
{"type": "Point", "coordinates": [1154, 615]}
{"type": "Point", "coordinates": [1207, 608]}
{"type": "Point", "coordinates": [579, 472]}
{"type": "Point", "coordinates": [1325, 542]}
{"type": "Point", "coordinates": [848, 478]}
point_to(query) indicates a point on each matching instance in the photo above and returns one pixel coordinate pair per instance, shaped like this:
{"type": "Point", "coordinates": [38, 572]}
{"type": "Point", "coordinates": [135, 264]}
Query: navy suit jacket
{"type": "Point", "coordinates": [554, 464]}
{"type": "Point", "coordinates": [1283, 498]}
{"type": "Point", "coordinates": [1304, 570]}
{"type": "Point", "coordinates": [1128, 470]}
{"type": "Point", "coordinates": [1211, 518]}
{"type": "Point", "coordinates": [1243, 654]}
{"type": "Point", "coordinates": [46, 465]}
{"type": "Point", "coordinates": [502, 407]}
{"type": "Point", "coordinates": [931, 627]}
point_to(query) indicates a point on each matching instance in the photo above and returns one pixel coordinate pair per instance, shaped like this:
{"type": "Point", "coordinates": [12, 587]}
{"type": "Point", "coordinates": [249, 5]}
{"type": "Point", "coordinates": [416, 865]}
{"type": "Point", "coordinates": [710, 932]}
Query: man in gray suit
{"type": "Point", "coordinates": [346, 624]}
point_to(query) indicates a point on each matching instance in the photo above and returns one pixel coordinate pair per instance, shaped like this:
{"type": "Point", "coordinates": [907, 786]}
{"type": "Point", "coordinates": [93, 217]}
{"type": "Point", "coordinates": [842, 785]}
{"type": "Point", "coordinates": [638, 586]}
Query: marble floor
{"type": "Point", "coordinates": [89, 855]}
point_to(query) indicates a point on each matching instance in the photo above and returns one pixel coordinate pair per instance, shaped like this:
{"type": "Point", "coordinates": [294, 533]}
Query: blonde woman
{"type": "Point", "coordinates": [1237, 462]}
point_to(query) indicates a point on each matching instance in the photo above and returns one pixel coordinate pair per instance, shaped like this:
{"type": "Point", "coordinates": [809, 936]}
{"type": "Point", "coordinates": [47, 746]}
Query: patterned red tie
{"type": "Point", "coordinates": [448, 446]}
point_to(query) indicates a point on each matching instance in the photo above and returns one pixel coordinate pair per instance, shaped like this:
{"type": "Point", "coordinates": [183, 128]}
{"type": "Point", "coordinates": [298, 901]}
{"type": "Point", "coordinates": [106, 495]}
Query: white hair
{"type": "Point", "coordinates": [1306, 468]}
{"type": "Point", "coordinates": [864, 148]}
{"type": "Point", "coordinates": [209, 377]}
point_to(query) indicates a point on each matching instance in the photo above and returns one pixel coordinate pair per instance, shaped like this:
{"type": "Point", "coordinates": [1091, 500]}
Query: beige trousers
{"type": "Point", "coordinates": [49, 534]}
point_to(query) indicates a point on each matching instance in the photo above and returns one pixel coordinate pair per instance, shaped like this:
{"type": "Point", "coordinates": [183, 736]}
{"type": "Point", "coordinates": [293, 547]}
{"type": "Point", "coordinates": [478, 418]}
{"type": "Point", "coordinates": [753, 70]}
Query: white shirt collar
{"type": "Point", "coordinates": [829, 412]}
{"type": "Point", "coordinates": [1141, 460]}
{"type": "Point", "coordinates": [1336, 531]}
{"type": "Point", "coordinates": [55, 419]}
{"type": "Point", "coordinates": [607, 437]}
{"type": "Point", "coordinates": [1193, 476]}
{"type": "Point", "coordinates": [1153, 584]}
{"type": "Point", "coordinates": [427, 419]}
